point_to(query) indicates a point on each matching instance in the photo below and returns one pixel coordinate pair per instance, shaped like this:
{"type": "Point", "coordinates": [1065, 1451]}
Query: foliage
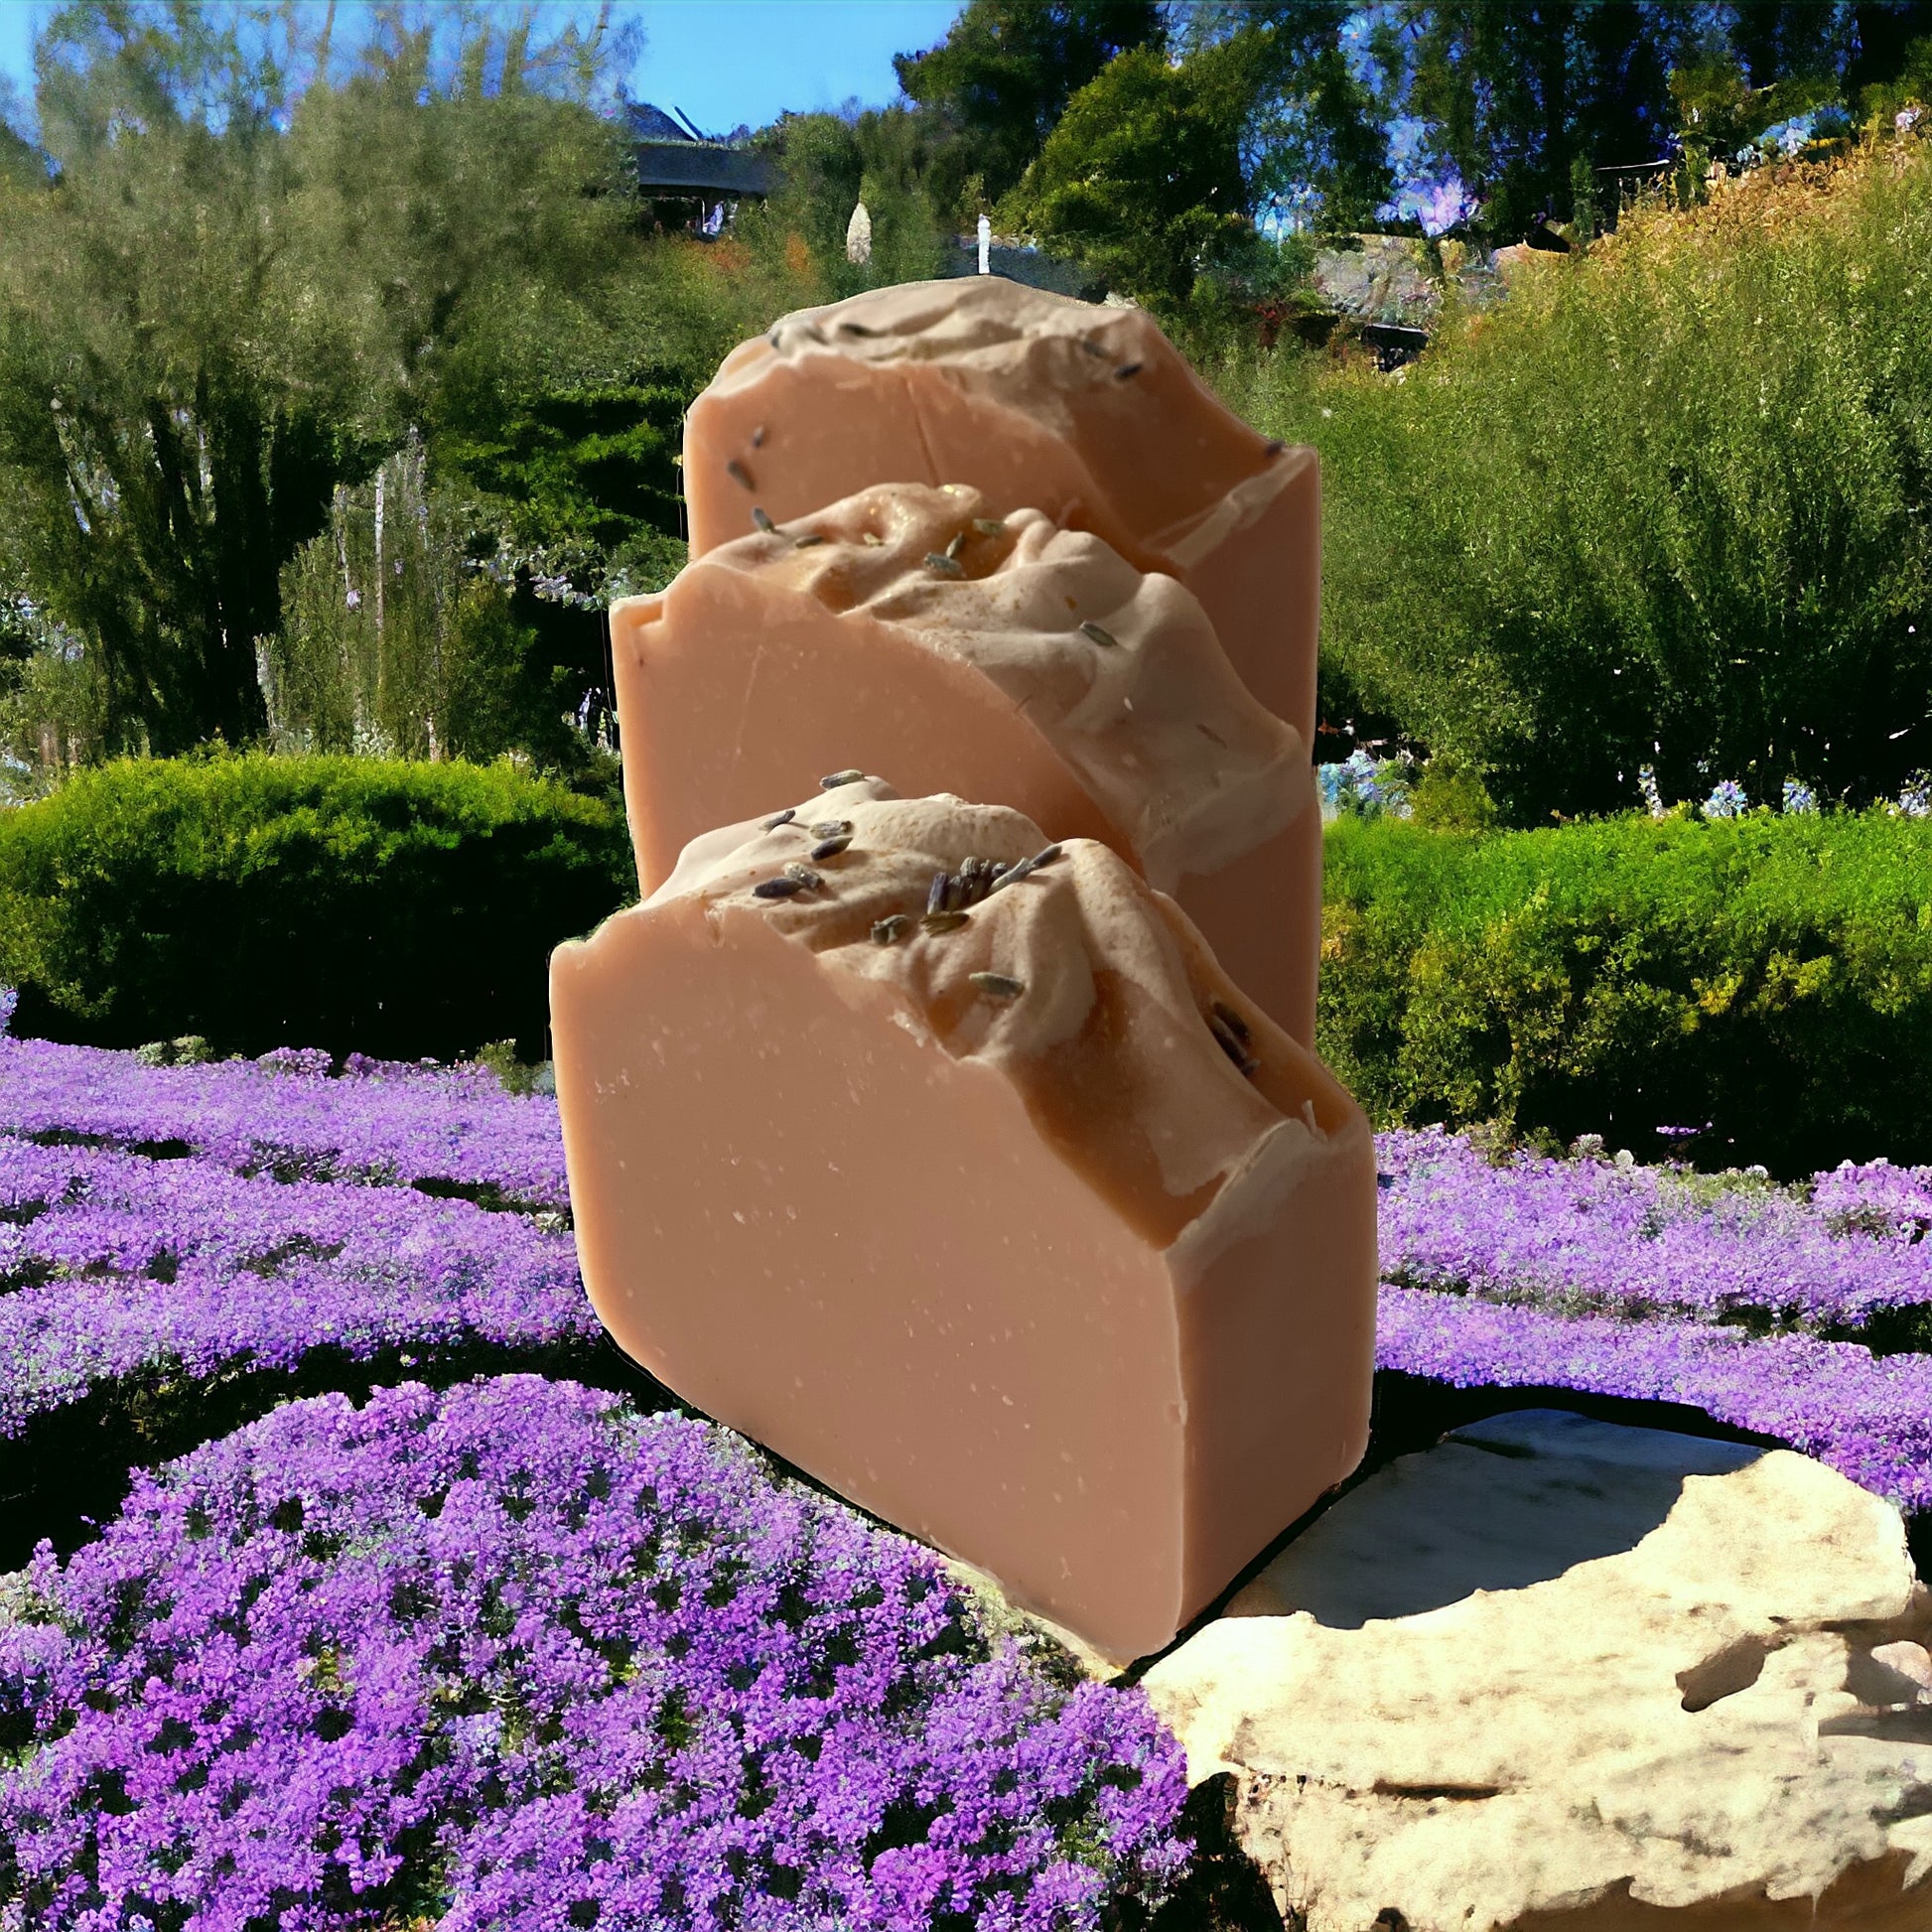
{"type": "Point", "coordinates": [1587, 532]}
{"type": "Point", "coordinates": [997, 86]}
{"type": "Point", "coordinates": [1512, 94]}
{"type": "Point", "coordinates": [461, 1657]}
{"type": "Point", "coordinates": [234, 296]}
{"type": "Point", "coordinates": [353, 904]}
{"type": "Point", "coordinates": [1315, 139]}
{"type": "Point", "coordinates": [409, 629]}
{"type": "Point", "coordinates": [1140, 178]}
{"type": "Point", "coordinates": [1450, 797]}
{"type": "Point", "coordinates": [1765, 980]}
{"type": "Point", "coordinates": [831, 163]}
{"type": "Point", "coordinates": [1365, 787]}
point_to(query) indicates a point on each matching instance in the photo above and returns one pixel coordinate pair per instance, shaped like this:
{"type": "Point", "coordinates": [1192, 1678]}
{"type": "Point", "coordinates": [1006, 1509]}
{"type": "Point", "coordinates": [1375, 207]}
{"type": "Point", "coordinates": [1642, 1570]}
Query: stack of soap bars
{"type": "Point", "coordinates": [946, 1117]}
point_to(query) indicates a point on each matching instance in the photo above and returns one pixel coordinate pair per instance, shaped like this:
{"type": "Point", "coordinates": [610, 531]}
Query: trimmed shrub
{"type": "Point", "coordinates": [1764, 980]}
{"type": "Point", "coordinates": [394, 908]}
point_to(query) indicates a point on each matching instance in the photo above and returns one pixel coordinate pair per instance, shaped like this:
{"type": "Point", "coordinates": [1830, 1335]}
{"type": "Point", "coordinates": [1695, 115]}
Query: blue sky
{"type": "Point", "coordinates": [721, 60]}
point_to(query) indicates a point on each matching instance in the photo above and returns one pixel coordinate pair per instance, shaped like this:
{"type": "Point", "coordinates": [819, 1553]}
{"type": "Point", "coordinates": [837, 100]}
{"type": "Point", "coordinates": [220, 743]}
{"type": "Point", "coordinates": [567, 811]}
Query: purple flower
{"type": "Point", "coordinates": [112, 1265]}
{"type": "Point", "coordinates": [382, 1121]}
{"type": "Point", "coordinates": [1867, 1417]}
{"type": "Point", "coordinates": [1727, 800]}
{"type": "Point", "coordinates": [1590, 1236]}
{"type": "Point", "coordinates": [517, 1655]}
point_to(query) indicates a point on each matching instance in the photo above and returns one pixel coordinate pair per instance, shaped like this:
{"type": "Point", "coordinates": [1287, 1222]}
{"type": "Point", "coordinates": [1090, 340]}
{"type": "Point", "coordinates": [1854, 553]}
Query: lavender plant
{"type": "Point", "coordinates": [381, 1121]}
{"type": "Point", "coordinates": [112, 1264]}
{"type": "Point", "coordinates": [514, 1654]}
{"type": "Point", "coordinates": [1594, 1236]}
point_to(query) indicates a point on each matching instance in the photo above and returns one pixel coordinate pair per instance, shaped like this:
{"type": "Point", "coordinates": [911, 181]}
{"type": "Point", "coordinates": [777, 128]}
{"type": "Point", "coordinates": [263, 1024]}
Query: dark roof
{"type": "Point", "coordinates": [649, 124]}
{"type": "Point", "coordinates": [691, 167]}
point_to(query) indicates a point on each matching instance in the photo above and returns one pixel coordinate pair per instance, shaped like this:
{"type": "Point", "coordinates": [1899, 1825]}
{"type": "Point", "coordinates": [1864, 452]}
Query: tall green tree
{"type": "Point", "coordinates": [1315, 135]}
{"type": "Point", "coordinates": [883, 157]}
{"type": "Point", "coordinates": [1142, 179]}
{"type": "Point", "coordinates": [997, 86]}
{"type": "Point", "coordinates": [1513, 94]}
{"type": "Point", "coordinates": [234, 284]}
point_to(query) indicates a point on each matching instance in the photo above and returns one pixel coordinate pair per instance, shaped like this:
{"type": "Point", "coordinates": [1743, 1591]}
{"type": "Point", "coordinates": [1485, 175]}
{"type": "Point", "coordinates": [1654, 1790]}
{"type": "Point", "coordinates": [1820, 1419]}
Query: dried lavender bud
{"type": "Point", "coordinates": [1001, 986]}
{"type": "Point", "coordinates": [833, 779]}
{"type": "Point", "coordinates": [1231, 1020]}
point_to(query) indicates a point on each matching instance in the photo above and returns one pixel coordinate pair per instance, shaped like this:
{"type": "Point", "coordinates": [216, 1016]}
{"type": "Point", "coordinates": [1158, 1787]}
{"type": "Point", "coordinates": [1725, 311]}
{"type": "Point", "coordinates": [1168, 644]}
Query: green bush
{"type": "Point", "coordinates": [1661, 506]}
{"type": "Point", "coordinates": [1771, 976]}
{"type": "Point", "coordinates": [387, 907]}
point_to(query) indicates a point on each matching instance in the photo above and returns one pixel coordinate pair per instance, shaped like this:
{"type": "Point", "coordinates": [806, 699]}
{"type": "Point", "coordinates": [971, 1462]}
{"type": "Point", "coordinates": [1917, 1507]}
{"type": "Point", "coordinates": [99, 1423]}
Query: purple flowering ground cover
{"type": "Point", "coordinates": [514, 1655]}
{"type": "Point", "coordinates": [111, 1264]}
{"type": "Point", "coordinates": [380, 1121]}
{"type": "Point", "coordinates": [498, 1648]}
{"type": "Point", "coordinates": [1591, 1235]}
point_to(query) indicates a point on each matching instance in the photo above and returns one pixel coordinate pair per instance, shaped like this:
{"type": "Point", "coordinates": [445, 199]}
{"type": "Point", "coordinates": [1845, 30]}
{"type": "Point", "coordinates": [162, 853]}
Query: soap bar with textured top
{"type": "Point", "coordinates": [1084, 412]}
{"type": "Point", "coordinates": [904, 630]}
{"type": "Point", "coordinates": [1014, 1220]}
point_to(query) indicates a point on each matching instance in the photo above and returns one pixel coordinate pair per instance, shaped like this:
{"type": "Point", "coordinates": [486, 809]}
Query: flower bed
{"type": "Point", "coordinates": [514, 1654]}
{"type": "Point", "coordinates": [1869, 1417]}
{"type": "Point", "coordinates": [1589, 1235]}
{"type": "Point", "coordinates": [517, 1652]}
{"type": "Point", "coordinates": [111, 1264]}
{"type": "Point", "coordinates": [454, 1126]}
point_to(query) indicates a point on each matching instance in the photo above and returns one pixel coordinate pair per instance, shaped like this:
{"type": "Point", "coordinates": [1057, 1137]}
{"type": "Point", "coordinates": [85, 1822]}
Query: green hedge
{"type": "Point", "coordinates": [1769, 975]}
{"type": "Point", "coordinates": [389, 907]}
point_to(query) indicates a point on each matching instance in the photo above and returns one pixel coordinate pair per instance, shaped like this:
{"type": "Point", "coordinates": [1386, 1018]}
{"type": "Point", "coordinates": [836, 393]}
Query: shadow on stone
{"type": "Point", "coordinates": [1502, 1503]}
{"type": "Point", "coordinates": [1224, 1890]}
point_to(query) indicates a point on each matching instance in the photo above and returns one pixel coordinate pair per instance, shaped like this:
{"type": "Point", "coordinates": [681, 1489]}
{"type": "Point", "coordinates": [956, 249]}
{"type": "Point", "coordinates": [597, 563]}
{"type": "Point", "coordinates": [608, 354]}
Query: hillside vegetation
{"type": "Point", "coordinates": [1663, 506]}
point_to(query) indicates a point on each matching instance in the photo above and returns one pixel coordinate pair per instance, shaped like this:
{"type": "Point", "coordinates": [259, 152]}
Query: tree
{"type": "Point", "coordinates": [999, 82]}
{"type": "Point", "coordinates": [164, 443]}
{"type": "Point", "coordinates": [1513, 92]}
{"type": "Point", "coordinates": [1142, 177]}
{"type": "Point", "coordinates": [225, 296]}
{"type": "Point", "coordinates": [1314, 136]}
{"type": "Point", "coordinates": [830, 162]}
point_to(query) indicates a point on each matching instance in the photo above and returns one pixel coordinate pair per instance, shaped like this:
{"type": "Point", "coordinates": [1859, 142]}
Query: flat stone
{"type": "Point", "coordinates": [1558, 1673]}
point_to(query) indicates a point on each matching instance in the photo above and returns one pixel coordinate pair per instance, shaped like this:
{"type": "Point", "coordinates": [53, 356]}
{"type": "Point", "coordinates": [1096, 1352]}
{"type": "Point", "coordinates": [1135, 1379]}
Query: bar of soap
{"type": "Point", "coordinates": [990, 657]}
{"type": "Point", "coordinates": [1085, 412]}
{"type": "Point", "coordinates": [976, 1218]}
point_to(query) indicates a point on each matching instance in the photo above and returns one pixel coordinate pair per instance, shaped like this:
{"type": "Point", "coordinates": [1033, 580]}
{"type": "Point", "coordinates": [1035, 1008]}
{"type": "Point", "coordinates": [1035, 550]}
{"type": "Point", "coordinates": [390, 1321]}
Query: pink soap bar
{"type": "Point", "coordinates": [1084, 412]}
{"type": "Point", "coordinates": [905, 630]}
{"type": "Point", "coordinates": [1020, 1226]}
